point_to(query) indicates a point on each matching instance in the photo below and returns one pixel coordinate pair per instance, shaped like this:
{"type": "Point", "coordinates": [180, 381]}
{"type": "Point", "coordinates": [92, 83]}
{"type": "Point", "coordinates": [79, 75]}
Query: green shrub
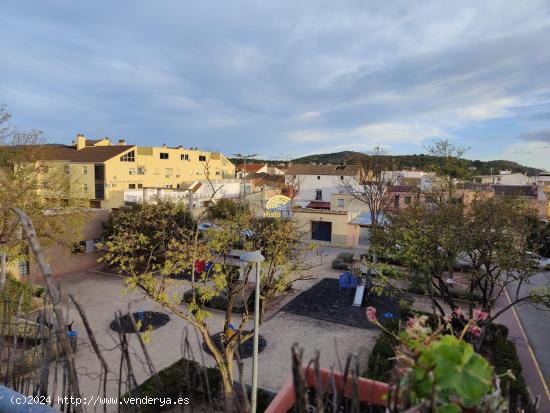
{"type": "Point", "coordinates": [339, 264]}
{"type": "Point", "coordinates": [506, 358]}
{"type": "Point", "coordinates": [185, 378]}
{"type": "Point", "coordinates": [345, 256]}
{"type": "Point", "coordinates": [381, 361]}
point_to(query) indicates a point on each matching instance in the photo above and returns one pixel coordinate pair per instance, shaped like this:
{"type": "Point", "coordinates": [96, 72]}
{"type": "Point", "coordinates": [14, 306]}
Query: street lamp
{"type": "Point", "coordinates": [257, 258]}
{"type": "Point", "coordinates": [244, 157]}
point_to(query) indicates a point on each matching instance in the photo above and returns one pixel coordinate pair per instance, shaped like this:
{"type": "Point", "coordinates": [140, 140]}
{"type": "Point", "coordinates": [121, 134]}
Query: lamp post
{"type": "Point", "coordinates": [257, 258]}
{"type": "Point", "coordinates": [244, 157]}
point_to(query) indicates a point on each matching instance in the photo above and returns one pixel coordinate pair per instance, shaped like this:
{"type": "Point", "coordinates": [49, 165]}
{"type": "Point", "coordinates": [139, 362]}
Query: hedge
{"type": "Point", "coordinates": [185, 378]}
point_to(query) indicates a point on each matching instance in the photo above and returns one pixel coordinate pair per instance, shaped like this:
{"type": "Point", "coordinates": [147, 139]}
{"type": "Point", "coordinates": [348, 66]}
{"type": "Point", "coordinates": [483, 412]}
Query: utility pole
{"type": "Point", "coordinates": [244, 158]}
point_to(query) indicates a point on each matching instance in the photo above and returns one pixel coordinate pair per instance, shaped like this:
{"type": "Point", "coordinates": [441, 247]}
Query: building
{"type": "Point", "coordinates": [196, 194]}
{"type": "Point", "coordinates": [62, 259]}
{"type": "Point", "coordinates": [505, 178]}
{"type": "Point", "coordinates": [534, 195]}
{"type": "Point", "coordinates": [244, 170]}
{"type": "Point", "coordinates": [104, 170]}
{"type": "Point", "coordinates": [319, 182]}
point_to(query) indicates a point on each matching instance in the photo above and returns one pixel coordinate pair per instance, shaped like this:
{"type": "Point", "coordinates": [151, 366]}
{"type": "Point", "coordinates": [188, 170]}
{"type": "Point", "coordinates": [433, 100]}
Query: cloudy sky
{"type": "Point", "coordinates": [282, 78]}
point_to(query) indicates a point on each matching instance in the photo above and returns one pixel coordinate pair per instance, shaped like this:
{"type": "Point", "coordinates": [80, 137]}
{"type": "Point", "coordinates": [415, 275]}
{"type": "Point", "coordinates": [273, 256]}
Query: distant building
{"type": "Point", "coordinates": [250, 168]}
{"type": "Point", "coordinates": [103, 170]}
{"type": "Point", "coordinates": [319, 182]}
{"type": "Point", "coordinates": [505, 178]}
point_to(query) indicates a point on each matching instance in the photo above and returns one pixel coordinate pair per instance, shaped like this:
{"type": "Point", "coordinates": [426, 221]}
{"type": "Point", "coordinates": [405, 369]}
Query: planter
{"type": "Point", "coordinates": [370, 391]}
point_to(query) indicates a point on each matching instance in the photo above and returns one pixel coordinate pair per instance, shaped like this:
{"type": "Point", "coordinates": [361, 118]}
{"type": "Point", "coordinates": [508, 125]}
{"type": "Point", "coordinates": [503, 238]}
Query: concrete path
{"type": "Point", "coordinates": [101, 297]}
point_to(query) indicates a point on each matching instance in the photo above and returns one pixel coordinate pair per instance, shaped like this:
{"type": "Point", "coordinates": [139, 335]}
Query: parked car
{"type": "Point", "coordinates": [206, 226]}
{"type": "Point", "coordinates": [543, 263]}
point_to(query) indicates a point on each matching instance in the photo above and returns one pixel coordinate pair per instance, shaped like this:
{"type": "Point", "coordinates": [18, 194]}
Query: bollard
{"type": "Point", "coordinates": [73, 335]}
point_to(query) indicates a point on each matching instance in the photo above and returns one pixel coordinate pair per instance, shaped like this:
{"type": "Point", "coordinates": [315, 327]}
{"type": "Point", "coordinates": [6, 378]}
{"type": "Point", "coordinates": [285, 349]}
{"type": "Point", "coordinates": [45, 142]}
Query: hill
{"type": "Point", "coordinates": [421, 161]}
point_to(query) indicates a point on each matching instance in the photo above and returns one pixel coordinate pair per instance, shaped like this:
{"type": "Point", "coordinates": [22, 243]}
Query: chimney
{"type": "Point", "coordinates": [122, 142]}
{"type": "Point", "coordinates": [164, 145]}
{"type": "Point", "coordinates": [80, 141]}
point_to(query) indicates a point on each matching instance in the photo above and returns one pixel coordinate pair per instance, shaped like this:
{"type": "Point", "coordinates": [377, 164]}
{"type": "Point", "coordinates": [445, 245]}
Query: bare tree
{"type": "Point", "coordinates": [373, 184]}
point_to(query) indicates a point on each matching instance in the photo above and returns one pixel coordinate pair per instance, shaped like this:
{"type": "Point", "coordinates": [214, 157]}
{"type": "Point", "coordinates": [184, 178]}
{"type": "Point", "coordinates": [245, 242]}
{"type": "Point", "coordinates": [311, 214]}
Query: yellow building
{"type": "Point", "coordinates": [103, 170]}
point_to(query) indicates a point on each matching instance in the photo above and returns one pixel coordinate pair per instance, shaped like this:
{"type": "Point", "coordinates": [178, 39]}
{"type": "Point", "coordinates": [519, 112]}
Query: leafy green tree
{"type": "Point", "coordinates": [449, 167]}
{"type": "Point", "coordinates": [226, 209]}
{"type": "Point", "coordinates": [149, 243]}
{"type": "Point", "coordinates": [38, 185]}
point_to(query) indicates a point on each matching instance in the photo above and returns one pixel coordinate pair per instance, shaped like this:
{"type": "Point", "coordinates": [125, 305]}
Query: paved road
{"type": "Point", "coordinates": [536, 325]}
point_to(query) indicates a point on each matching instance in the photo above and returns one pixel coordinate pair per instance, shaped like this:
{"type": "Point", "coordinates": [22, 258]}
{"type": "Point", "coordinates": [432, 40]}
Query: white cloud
{"type": "Point", "coordinates": [372, 134]}
{"type": "Point", "coordinates": [531, 153]}
{"type": "Point", "coordinates": [309, 115]}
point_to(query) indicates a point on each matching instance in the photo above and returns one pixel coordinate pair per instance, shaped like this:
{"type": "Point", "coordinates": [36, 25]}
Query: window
{"type": "Point", "coordinates": [217, 172]}
{"type": "Point", "coordinates": [85, 187]}
{"type": "Point", "coordinates": [396, 201]}
{"type": "Point", "coordinates": [140, 185]}
{"type": "Point", "coordinates": [341, 177]}
{"type": "Point", "coordinates": [168, 172]}
{"type": "Point", "coordinates": [128, 157]}
{"type": "Point", "coordinates": [164, 155]}
{"type": "Point", "coordinates": [178, 172]}
{"type": "Point", "coordinates": [341, 203]}
{"type": "Point", "coordinates": [99, 191]}
{"type": "Point", "coordinates": [84, 170]}
{"type": "Point", "coordinates": [23, 267]}
{"type": "Point", "coordinates": [184, 157]}
{"type": "Point", "coordinates": [99, 171]}
{"type": "Point", "coordinates": [408, 200]}
{"type": "Point", "coordinates": [318, 177]}
{"type": "Point", "coordinates": [202, 158]}
{"type": "Point", "coordinates": [141, 170]}
{"type": "Point", "coordinates": [168, 186]}
{"type": "Point", "coordinates": [131, 186]}
{"type": "Point", "coordinates": [132, 171]}
{"type": "Point", "coordinates": [318, 195]}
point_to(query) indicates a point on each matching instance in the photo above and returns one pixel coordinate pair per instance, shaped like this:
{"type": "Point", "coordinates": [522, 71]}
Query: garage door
{"type": "Point", "coordinates": [321, 231]}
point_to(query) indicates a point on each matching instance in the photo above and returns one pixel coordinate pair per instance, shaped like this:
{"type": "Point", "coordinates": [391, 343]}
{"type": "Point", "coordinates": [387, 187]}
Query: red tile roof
{"type": "Point", "coordinates": [250, 167]}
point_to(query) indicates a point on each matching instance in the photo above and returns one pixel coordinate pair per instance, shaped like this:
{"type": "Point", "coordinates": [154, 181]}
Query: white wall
{"type": "Point", "coordinates": [308, 184]}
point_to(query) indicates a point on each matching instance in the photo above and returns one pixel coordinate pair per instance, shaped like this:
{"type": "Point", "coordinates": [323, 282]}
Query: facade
{"type": "Point", "coordinates": [82, 256]}
{"type": "Point", "coordinates": [103, 170]}
{"type": "Point", "coordinates": [318, 182]}
{"type": "Point", "coordinates": [505, 178]}
{"type": "Point", "coordinates": [250, 168]}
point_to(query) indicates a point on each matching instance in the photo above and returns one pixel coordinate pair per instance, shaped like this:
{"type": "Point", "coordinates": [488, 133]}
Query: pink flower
{"type": "Point", "coordinates": [480, 315]}
{"type": "Point", "coordinates": [458, 311]}
{"type": "Point", "coordinates": [474, 330]}
{"type": "Point", "coordinates": [371, 314]}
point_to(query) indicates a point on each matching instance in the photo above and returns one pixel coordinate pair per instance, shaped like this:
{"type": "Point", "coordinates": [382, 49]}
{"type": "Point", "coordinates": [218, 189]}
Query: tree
{"type": "Point", "coordinates": [225, 209]}
{"type": "Point", "coordinates": [492, 235]}
{"type": "Point", "coordinates": [450, 168]}
{"type": "Point", "coordinates": [427, 241]}
{"type": "Point", "coordinates": [496, 240]}
{"type": "Point", "coordinates": [373, 185]}
{"type": "Point", "coordinates": [33, 182]}
{"type": "Point", "coordinates": [150, 256]}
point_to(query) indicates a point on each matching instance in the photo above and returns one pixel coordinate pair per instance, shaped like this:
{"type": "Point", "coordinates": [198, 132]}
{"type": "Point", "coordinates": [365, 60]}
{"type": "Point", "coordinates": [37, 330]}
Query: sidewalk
{"type": "Point", "coordinates": [530, 366]}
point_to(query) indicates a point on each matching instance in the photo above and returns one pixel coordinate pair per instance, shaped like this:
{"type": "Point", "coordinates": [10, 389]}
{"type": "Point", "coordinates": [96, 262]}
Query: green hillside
{"type": "Point", "coordinates": [420, 162]}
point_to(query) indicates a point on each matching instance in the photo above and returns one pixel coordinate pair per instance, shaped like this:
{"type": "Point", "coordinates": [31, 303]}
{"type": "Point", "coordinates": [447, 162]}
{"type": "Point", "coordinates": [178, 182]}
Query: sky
{"type": "Point", "coordinates": [283, 78]}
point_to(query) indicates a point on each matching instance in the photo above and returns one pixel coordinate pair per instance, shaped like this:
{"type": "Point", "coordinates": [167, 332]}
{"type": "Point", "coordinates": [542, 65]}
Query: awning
{"type": "Point", "coordinates": [318, 205]}
{"type": "Point", "coordinates": [365, 219]}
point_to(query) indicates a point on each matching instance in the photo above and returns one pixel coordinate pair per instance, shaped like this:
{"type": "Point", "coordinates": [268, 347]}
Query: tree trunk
{"type": "Point", "coordinates": [3, 269]}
